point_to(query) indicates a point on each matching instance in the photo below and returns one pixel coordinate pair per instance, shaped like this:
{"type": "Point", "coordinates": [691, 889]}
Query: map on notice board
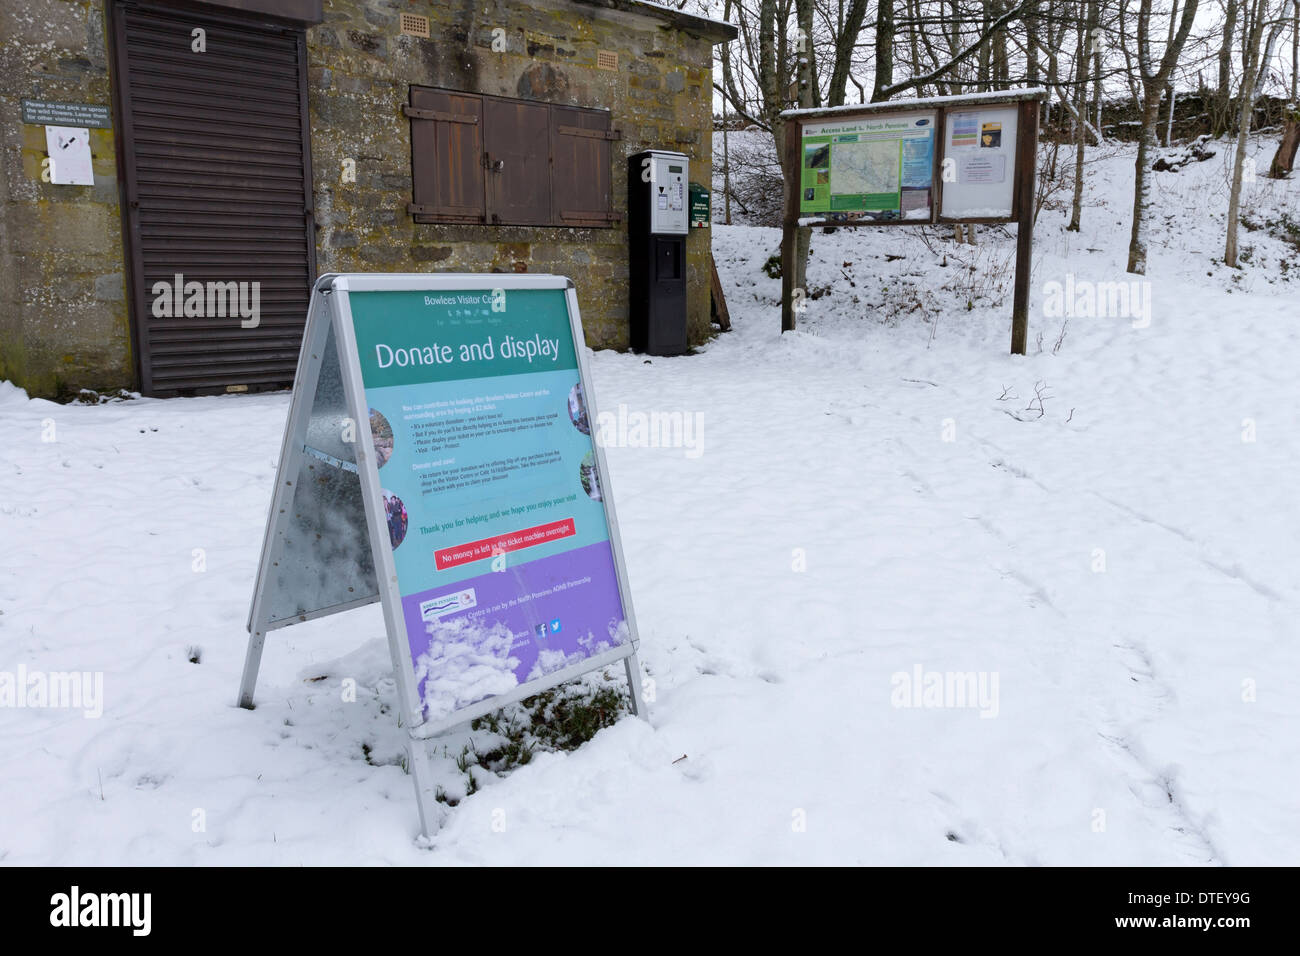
{"type": "Point", "coordinates": [869, 168]}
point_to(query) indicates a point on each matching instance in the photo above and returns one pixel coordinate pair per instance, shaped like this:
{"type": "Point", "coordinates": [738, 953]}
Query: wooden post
{"type": "Point", "coordinates": [790, 222]}
{"type": "Point", "coordinates": [1026, 178]}
{"type": "Point", "coordinates": [719, 299]}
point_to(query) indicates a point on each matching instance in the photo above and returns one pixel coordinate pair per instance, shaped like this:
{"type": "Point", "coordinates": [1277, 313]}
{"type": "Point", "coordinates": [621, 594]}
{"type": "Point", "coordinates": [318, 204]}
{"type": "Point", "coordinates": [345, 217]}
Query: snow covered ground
{"type": "Point", "coordinates": [877, 496]}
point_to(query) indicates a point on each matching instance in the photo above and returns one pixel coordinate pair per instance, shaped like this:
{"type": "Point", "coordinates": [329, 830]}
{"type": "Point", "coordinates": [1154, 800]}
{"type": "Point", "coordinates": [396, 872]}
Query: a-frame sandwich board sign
{"type": "Point", "coordinates": [439, 458]}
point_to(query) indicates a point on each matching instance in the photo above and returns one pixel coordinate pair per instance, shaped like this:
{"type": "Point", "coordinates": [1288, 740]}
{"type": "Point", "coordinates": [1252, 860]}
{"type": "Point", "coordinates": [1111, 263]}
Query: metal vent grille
{"type": "Point", "coordinates": [606, 60]}
{"type": "Point", "coordinates": [415, 25]}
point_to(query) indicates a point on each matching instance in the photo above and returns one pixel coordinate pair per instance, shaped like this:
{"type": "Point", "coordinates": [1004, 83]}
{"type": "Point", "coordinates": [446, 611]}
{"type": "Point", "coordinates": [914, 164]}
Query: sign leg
{"type": "Point", "coordinates": [252, 663]}
{"type": "Point", "coordinates": [790, 226]}
{"type": "Point", "coordinates": [431, 812]}
{"type": "Point", "coordinates": [1026, 179]}
{"type": "Point", "coordinates": [633, 667]}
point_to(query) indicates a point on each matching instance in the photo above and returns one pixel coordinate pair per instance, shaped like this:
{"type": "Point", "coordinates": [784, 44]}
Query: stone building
{"type": "Point", "coordinates": [235, 142]}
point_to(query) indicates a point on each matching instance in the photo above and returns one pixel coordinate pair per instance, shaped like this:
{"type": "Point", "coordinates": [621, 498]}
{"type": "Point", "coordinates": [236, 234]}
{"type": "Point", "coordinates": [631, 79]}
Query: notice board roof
{"type": "Point", "coordinates": [927, 102]}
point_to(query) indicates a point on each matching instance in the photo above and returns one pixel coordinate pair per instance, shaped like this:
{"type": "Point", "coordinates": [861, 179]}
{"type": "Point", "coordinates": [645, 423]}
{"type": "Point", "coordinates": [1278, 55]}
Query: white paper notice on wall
{"type": "Point", "coordinates": [69, 149]}
{"type": "Point", "coordinates": [981, 169]}
{"type": "Point", "coordinates": [981, 145]}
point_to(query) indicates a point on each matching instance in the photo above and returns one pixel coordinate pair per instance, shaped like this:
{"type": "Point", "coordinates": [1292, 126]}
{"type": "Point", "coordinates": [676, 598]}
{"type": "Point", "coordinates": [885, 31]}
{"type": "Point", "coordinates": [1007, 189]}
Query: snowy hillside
{"type": "Point", "coordinates": [1095, 544]}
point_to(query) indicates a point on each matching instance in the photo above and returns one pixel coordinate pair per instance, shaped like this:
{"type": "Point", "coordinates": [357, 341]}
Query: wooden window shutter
{"type": "Point", "coordinates": [446, 156]}
{"type": "Point", "coordinates": [581, 190]}
{"type": "Point", "coordinates": [516, 139]}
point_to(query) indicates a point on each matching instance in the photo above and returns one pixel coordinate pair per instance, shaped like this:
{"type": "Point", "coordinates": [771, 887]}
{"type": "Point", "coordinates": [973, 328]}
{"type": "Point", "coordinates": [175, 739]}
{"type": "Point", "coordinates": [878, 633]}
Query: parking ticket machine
{"type": "Point", "coordinates": [657, 224]}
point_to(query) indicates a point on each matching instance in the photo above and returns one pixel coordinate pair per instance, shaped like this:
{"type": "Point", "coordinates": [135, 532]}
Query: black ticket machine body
{"type": "Point", "coordinates": [657, 223]}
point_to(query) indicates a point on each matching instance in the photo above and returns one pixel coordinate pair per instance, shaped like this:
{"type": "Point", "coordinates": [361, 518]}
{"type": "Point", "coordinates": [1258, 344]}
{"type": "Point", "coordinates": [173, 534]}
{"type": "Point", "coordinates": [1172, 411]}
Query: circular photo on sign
{"type": "Point", "coordinates": [578, 410]}
{"type": "Point", "coordinates": [382, 434]}
{"type": "Point", "coordinates": [589, 476]}
{"type": "Point", "coordinates": [395, 513]}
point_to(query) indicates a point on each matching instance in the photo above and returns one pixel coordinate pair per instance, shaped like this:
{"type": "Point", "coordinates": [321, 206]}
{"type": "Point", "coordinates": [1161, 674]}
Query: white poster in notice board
{"type": "Point", "coordinates": [979, 182]}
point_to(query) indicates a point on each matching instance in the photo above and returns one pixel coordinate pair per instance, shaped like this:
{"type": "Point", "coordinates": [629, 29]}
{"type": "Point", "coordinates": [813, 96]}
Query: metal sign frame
{"type": "Point", "coordinates": [1022, 203]}
{"type": "Point", "coordinates": [330, 311]}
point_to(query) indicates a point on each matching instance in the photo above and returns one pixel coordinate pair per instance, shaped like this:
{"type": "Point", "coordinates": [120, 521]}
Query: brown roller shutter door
{"type": "Point", "coordinates": [214, 149]}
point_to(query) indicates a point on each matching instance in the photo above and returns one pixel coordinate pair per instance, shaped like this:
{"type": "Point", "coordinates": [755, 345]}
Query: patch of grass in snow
{"type": "Point", "coordinates": [88, 396]}
{"type": "Point", "coordinates": [562, 718]}
{"type": "Point", "coordinates": [565, 718]}
{"type": "Point", "coordinates": [1284, 227]}
{"type": "Point", "coordinates": [559, 719]}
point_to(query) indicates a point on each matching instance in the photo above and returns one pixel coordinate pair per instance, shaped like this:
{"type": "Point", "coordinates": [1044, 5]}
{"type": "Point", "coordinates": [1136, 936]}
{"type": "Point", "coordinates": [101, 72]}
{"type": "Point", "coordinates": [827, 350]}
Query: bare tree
{"type": "Point", "coordinates": [1154, 80]}
{"type": "Point", "coordinates": [807, 79]}
{"type": "Point", "coordinates": [1223, 95]}
{"type": "Point", "coordinates": [843, 44]}
{"type": "Point", "coordinates": [1258, 19]}
{"type": "Point", "coordinates": [1295, 52]}
{"type": "Point", "coordinates": [1087, 29]}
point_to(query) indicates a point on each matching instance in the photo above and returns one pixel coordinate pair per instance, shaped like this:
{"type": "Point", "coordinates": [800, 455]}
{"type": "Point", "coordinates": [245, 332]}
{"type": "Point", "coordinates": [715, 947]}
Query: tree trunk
{"type": "Point", "coordinates": [913, 14]}
{"type": "Point", "coordinates": [1053, 67]}
{"type": "Point", "coordinates": [807, 78]}
{"type": "Point", "coordinates": [1219, 118]}
{"type": "Point", "coordinates": [1270, 47]}
{"type": "Point", "coordinates": [1284, 159]}
{"type": "Point", "coordinates": [998, 50]}
{"type": "Point", "coordinates": [1153, 82]}
{"type": "Point", "coordinates": [844, 41]}
{"type": "Point", "coordinates": [1169, 124]}
{"type": "Point", "coordinates": [768, 82]}
{"type": "Point", "coordinates": [1031, 42]}
{"type": "Point", "coordinates": [1097, 73]}
{"type": "Point", "coordinates": [985, 57]}
{"type": "Point", "coordinates": [1258, 11]}
{"type": "Point", "coordinates": [884, 49]}
{"type": "Point", "coordinates": [1137, 246]}
{"type": "Point", "coordinates": [1295, 54]}
{"type": "Point", "coordinates": [1081, 106]}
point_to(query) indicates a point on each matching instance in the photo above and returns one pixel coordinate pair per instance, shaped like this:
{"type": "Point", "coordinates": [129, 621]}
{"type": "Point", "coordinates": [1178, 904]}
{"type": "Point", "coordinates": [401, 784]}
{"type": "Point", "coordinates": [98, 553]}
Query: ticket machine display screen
{"type": "Point", "coordinates": [668, 212]}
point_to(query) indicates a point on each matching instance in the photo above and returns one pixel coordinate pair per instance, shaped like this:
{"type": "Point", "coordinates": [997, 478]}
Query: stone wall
{"type": "Point", "coordinates": [361, 69]}
{"type": "Point", "coordinates": [64, 322]}
{"type": "Point", "coordinates": [63, 312]}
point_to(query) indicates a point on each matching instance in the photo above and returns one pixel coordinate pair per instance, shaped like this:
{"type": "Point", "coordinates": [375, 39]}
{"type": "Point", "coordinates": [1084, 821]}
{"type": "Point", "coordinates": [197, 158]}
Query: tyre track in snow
{"type": "Point", "coordinates": [1148, 778]}
{"type": "Point", "coordinates": [1153, 783]}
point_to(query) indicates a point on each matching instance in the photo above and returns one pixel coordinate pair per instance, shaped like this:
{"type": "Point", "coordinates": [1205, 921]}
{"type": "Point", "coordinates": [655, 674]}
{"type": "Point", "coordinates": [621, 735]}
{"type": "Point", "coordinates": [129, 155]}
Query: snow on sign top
{"type": "Point", "coordinates": [961, 99]}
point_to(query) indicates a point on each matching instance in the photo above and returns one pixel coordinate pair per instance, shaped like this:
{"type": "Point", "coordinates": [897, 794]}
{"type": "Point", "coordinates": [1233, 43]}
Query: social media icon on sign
{"type": "Point", "coordinates": [555, 626]}
{"type": "Point", "coordinates": [541, 630]}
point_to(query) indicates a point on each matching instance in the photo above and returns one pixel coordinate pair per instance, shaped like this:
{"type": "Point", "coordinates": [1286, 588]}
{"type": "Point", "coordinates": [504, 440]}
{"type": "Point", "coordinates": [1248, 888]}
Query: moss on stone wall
{"type": "Point", "coordinates": [63, 310]}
